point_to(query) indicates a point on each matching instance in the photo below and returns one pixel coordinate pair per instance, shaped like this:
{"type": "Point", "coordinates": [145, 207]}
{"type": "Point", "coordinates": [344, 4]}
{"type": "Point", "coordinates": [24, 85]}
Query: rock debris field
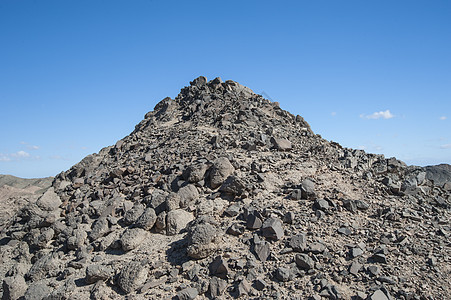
{"type": "Point", "coordinates": [221, 194]}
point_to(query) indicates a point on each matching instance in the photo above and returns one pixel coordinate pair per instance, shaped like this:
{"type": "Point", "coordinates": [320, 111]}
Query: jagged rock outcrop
{"type": "Point", "coordinates": [221, 193]}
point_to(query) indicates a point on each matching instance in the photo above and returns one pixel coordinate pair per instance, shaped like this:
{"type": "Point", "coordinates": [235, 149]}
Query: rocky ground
{"type": "Point", "coordinates": [16, 193]}
{"type": "Point", "coordinates": [219, 193]}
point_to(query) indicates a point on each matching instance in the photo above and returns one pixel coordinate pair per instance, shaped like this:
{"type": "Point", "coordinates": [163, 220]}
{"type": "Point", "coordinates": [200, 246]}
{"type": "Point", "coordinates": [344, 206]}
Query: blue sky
{"type": "Point", "coordinates": [76, 76]}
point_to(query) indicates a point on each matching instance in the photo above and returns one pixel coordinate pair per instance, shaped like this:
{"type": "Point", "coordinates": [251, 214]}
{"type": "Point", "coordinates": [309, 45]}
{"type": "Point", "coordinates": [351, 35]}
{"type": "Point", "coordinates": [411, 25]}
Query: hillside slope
{"type": "Point", "coordinates": [219, 193]}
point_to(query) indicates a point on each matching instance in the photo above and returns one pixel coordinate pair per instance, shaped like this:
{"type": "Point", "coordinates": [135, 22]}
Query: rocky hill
{"type": "Point", "coordinates": [17, 192]}
{"type": "Point", "coordinates": [218, 194]}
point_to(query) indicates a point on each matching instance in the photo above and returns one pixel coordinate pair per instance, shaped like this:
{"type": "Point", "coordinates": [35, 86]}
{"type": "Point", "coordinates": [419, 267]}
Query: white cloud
{"type": "Point", "coordinates": [445, 146]}
{"type": "Point", "coordinates": [20, 154]}
{"type": "Point", "coordinates": [333, 114]}
{"type": "Point", "coordinates": [443, 118]}
{"type": "Point", "coordinates": [361, 147]}
{"type": "Point", "coordinates": [33, 147]}
{"type": "Point", "coordinates": [4, 157]}
{"type": "Point", "coordinates": [378, 115]}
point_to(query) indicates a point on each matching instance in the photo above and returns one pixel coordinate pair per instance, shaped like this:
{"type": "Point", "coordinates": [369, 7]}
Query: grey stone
{"type": "Point", "coordinates": [262, 250]}
{"type": "Point", "coordinates": [99, 228]}
{"type": "Point", "coordinates": [298, 242]}
{"type": "Point", "coordinates": [160, 223]}
{"type": "Point", "coordinates": [379, 258]}
{"type": "Point", "coordinates": [37, 291]}
{"type": "Point", "coordinates": [355, 268]}
{"type": "Point", "coordinates": [147, 220]}
{"type": "Point", "coordinates": [195, 173]}
{"type": "Point", "coordinates": [378, 295]}
{"type": "Point", "coordinates": [177, 221]}
{"type": "Point", "coordinates": [344, 230]}
{"type": "Point", "coordinates": [236, 229]}
{"type": "Point", "coordinates": [321, 204]}
{"type": "Point", "coordinates": [14, 287]}
{"type": "Point", "coordinates": [219, 267]}
{"type": "Point", "coordinates": [217, 286]}
{"type": "Point", "coordinates": [203, 241]}
{"type": "Point", "coordinates": [187, 294]}
{"type": "Point", "coordinates": [260, 284]}
{"type": "Point", "coordinates": [49, 200]}
{"type": "Point", "coordinates": [199, 81]}
{"type": "Point", "coordinates": [355, 252]}
{"type": "Point", "coordinates": [362, 205]}
{"type": "Point", "coordinates": [296, 194]}
{"type": "Point", "coordinates": [253, 222]}
{"type": "Point", "coordinates": [133, 214]}
{"type": "Point", "coordinates": [222, 168]}
{"type": "Point", "coordinates": [47, 266]}
{"type": "Point", "coordinates": [95, 273]}
{"type": "Point", "coordinates": [132, 276]}
{"type": "Point", "coordinates": [308, 189]}
{"type": "Point", "coordinates": [233, 186]}
{"type": "Point", "coordinates": [350, 205]}
{"type": "Point", "coordinates": [187, 195]}
{"type": "Point", "coordinates": [77, 240]}
{"type": "Point", "coordinates": [272, 229]}
{"type": "Point", "coordinates": [172, 202]}
{"type": "Point", "coordinates": [233, 210]}
{"type": "Point", "coordinates": [244, 288]}
{"type": "Point", "coordinates": [132, 238]}
{"type": "Point", "coordinates": [283, 274]}
{"type": "Point", "coordinates": [304, 261]}
{"type": "Point", "coordinates": [281, 144]}
{"type": "Point", "coordinates": [374, 270]}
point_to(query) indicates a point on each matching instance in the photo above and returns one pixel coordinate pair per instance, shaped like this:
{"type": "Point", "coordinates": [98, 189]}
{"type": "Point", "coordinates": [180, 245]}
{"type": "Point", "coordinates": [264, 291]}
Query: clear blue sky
{"type": "Point", "coordinates": [76, 76]}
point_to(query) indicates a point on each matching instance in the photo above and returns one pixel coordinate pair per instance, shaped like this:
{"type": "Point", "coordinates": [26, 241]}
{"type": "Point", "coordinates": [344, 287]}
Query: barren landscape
{"type": "Point", "coordinates": [221, 194]}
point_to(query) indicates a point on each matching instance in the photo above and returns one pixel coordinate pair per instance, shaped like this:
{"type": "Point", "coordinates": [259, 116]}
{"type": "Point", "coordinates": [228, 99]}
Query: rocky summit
{"type": "Point", "coordinates": [221, 194]}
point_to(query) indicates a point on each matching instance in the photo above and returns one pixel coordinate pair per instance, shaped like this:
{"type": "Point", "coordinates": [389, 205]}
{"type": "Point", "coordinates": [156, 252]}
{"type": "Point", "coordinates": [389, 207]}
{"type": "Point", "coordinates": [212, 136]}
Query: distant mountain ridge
{"type": "Point", "coordinates": [23, 183]}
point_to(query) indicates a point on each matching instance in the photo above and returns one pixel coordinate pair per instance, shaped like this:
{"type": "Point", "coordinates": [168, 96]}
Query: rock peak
{"type": "Point", "coordinates": [222, 193]}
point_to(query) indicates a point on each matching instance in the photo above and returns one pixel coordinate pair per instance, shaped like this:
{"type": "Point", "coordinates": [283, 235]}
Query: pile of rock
{"type": "Point", "coordinates": [219, 193]}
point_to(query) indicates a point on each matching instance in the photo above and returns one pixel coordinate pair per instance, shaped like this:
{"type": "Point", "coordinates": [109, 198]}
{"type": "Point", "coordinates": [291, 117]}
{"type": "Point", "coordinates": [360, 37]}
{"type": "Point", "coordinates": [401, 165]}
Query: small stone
{"type": "Point", "coordinates": [356, 252]}
{"type": "Point", "coordinates": [177, 221]}
{"type": "Point", "coordinates": [217, 286]}
{"type": "Point", "coordinates": [308, 189]}
{"type": "Point", "coordinates": [272, 229]}
{"type": "Point", "coordinates": [132, 276]}
{"type": "Point", "coordinates": [289, 217]}
{"type": "Point", "coordinates": [321, 204]}
{"type": "Point", "coordinates": [147, 219]}
{"type": "Point", "coordinates": [236, 229]}
{"type": "Point", "coordinates": [304, 261]}
{"type": "Point", "coordinates": [378, 295]}
{"type": "Point", "coordinates": [244, 288]}
{"type": "Point", "coordinates": [355, 268]}
{"type": "Point", "coordinates": [374, 270]}
{"type": "Point", "coordinates": [281, 144]}
{"type": "Point", "coordinates": [95, 273]}
{"type": "Point", "coordinates": [283, 274]}
{"type": "Point", "coordinates": [344, 230]}
{"type": "Point", "coordinates": [298, 242]}
{"type": "Point", "coordinates": [253, 222]}
{"type": "Point", "coordinates": [386, 279]}
{"type": "Point", "coordinates": [260, 284]}
{"type": "Point", "coordinates": [132, 238]}
{"type": "Point", "coordinates": [222, 168]}
{"type": "Point", "coordinates": [379, 258]}
{"type": "Point", "coordinates": [233, 210]}
{"type": "Point", "coordinates": [14, 287]}
{"type": "Point", "coordinates": [187, 294]}
{"type": "Point", "coordinates": [219, 267]}
{"type": "Point", "coordinates": [262, 250]}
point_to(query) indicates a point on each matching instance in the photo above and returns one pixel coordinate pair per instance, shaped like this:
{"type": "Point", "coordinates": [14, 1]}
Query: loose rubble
{"type": "Point", "coordinates": [219, 193]}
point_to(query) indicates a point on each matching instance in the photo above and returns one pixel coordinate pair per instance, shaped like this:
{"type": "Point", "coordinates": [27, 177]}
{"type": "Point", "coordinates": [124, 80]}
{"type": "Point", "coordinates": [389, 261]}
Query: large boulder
{"type": "Point", "coordinates": [222, 168]}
